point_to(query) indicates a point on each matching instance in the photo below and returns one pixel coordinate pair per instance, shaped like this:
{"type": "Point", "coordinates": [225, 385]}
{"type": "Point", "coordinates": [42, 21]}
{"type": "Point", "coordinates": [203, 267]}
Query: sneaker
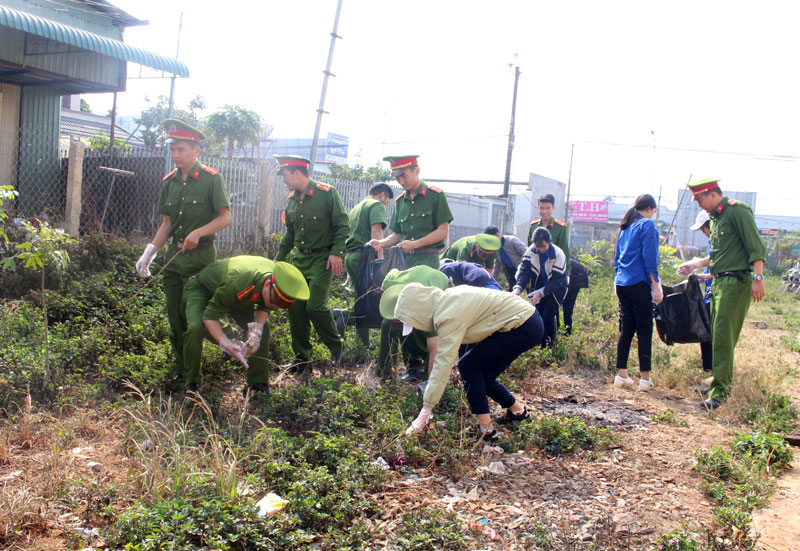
{"type": "Point", "coordinates": [510, 417]}
{"type": "Point", "coordinates": [623, 382]}
{"type": "Point", "coordinates": [646, 385]}
{"type": "Point", "coordinates": [491, 436]}
{"type": "Point", "coordinates": [703, 391]}
{"type": "Point", "coordinates": [710, 404]}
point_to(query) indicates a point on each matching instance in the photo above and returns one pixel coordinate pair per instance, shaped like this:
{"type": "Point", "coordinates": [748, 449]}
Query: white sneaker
{"type": "Point", "coordinates": [646, 384]}
{"type": "Point", "coordinates": [623, 382]}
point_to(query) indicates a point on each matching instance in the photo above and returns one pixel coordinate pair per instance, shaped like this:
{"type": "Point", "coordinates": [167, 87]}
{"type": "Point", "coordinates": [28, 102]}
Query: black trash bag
{"type": "Point", "coordinates": [682, 317]}
{"type": "Point", "coordinates": [369, 276]}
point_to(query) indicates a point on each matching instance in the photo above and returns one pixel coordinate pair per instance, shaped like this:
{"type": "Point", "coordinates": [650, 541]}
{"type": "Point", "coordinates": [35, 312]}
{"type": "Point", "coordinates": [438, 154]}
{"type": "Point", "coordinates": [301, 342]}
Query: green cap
{"type": "Point", "coordinates": [487, 242]}
{"type": "Point", "coordinates": [703, 185]}
{"type": "Point", "coordinates": [396, 280]}
{"type": "Point", "coordinates": [179, 130]}
{"type": "Point", "coordinates": [289, 282]}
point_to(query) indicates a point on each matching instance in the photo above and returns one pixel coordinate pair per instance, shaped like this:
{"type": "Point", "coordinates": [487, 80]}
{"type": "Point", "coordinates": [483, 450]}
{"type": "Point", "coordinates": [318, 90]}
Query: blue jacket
{"type": "Point", "coordinates": [469, 273]}
{"type": "Point", "coordinates": [636, 256]}
{"type": "Point", "coordinates": [550, 268]}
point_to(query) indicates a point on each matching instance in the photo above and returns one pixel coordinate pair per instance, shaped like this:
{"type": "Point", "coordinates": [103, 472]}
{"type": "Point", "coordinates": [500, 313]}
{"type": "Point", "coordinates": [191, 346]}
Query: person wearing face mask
{"type": "Point", "coordinates": [637, 287]}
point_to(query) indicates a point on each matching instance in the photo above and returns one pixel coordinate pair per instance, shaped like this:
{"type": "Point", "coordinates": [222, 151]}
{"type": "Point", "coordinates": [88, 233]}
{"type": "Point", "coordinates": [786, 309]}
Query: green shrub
{"type": "Point", "coordinates": [678, 540]}
{"type": "Point", "coordinates": [717, 464]}
{"type": "Point", "coordinates": [558, 435]}
{"type": "Point", "coordinates": [763, 449]}
{"type": "Point", "coordinates": [775, 414]}
{"type": "Point", "coordinates": [428, 529]}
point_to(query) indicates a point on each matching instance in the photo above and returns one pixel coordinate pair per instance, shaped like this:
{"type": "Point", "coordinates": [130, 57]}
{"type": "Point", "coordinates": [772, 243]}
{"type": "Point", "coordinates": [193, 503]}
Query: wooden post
{"type": "Point", "coordinates": [72, 215]}
{"type": "Point", "coordinates": [266, 179]}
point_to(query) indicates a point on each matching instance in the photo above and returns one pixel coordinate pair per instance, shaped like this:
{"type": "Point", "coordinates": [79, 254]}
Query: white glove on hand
{"type": "Point", "coordinates": [235, 351]}
{"type": "Point", "coordinates": [536, 297]}
{"type": "Point", "coordinates": [516, 291]}
{"type": "Point", "coordinates": [688, 268]}
{"type": "Point", "coordinates": [425, 415]}
{"type": "Point", "coordinates": [254, 332]}
{"type": "Point", "coordinates": [143, 265]}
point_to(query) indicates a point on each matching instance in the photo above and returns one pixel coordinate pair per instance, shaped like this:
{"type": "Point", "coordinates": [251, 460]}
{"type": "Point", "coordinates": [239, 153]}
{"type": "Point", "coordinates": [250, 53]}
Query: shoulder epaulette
{"type": "Point", "coordinates": [210, 170]}
{"type": "Point", "coordinates": [169, 175]}
{"type": "Point", "coordinates": [560, 223]}
{"type": "Point", "coordinates": [324, 187]}
{"type": "Point", "coordinates": [436, 189]}
{"type": "Point", "coordinates": [241, 295]}
{"type": "Point", "coordinates": [732, 201]}
{"type": "Point", "coordinates": [535, 221]}
{"type": "Point", "coordinates": [400, 197]}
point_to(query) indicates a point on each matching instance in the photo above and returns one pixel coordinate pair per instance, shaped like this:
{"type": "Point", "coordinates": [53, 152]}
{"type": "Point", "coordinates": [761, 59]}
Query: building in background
{"type": "Point", "coordinates": [331, 150]}
{"type": "Point", "coordinates": [80, 125]}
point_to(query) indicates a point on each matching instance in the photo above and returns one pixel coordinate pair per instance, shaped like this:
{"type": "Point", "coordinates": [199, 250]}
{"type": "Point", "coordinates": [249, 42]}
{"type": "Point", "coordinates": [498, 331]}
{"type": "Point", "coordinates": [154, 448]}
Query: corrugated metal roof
{"type": "Point", "coordinates": [79, 38]}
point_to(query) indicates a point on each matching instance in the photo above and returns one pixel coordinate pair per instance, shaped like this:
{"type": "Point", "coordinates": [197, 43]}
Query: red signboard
{"type": "Point", "coordinates": [589, 211]}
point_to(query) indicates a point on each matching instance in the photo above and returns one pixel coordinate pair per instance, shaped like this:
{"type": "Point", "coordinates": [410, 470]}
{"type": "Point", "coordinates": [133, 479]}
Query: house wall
{"type": "Point", "coordinates": [9, 123]}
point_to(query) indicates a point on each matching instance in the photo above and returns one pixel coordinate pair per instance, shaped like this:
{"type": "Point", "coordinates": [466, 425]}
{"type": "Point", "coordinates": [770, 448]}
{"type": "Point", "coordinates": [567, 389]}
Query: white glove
{"type": "Point", "coordinates": [254, 332]}
{"type": "Point", "coordinates": [235, 351]}
{"type": "Point", "coordinates": [536, 297]}
{"type": "Point", "coordinates": [688, 268]}
{"type": "Point", "coordinates": [516, 291]}
{"type": "Point", "coordinates": [422, 419]}
{"type": "Point", "coordinates": [143, 265]}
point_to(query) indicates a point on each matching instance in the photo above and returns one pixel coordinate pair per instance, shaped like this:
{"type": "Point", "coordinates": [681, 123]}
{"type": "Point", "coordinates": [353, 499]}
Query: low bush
{"type": "Point", "coordinates": [559, 435]}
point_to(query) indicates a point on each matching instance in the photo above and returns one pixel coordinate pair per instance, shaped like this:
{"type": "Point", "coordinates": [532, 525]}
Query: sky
{"type": "Point", "coordinates": [642, 95]}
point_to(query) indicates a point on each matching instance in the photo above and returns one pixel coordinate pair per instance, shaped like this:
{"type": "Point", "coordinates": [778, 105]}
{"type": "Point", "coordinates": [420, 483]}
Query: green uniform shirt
{"type": "Point", "coordinates": [193, 203]}
{"type": "Point", "coordinates": [464, 250]}
{"type": "Point", "coordinates": [364, 215]}
{"type": "Point", "coordinates": [235, 284]}
{"type": "Point", "coordinates": [415, 218]}
{"type": "Point", "coordinates": [559, 233]}
{"type": "Point", "coordinates": [315, 221]}
{"type": "Point", "coordinates": [735, 243]}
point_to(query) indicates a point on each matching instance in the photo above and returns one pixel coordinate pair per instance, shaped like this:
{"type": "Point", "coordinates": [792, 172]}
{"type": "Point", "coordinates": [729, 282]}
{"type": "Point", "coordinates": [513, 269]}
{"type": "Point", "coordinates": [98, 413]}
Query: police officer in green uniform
{"type": "Point", "coordinates": [420, 225]}
{"type": "Point", "coordinates": [317, 228]}
{"type": "Point", "coordinates": [367, 221]}
{"type": "Point", "coordinates": [419, 347]}
{"type": "Point", "coordinates": [244, 287]}
{"type": "Point", "coordinates": [479, 249]}
{"type": "Point", "coordinates": [194, 206]}
{"type": "Point", "coordinates": [736, 262]}
{"type": "Point", "coordinates": [559, 231]}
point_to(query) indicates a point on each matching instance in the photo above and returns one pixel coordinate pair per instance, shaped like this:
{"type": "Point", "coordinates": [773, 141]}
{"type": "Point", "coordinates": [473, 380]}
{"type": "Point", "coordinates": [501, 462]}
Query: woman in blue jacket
{"type": "Point", "coordinates": [637, 287]}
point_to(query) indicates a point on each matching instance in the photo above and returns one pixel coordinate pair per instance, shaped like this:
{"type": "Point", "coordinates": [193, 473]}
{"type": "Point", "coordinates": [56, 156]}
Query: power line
{"type": "Point", "coordinates": [760, 156]}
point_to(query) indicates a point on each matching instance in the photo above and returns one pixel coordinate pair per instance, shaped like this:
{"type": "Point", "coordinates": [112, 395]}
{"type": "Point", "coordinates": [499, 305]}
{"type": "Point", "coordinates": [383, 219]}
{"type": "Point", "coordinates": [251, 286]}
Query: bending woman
{"type": "Point", "coordinates": [637, 287]}
{"type": "Point", "coordinates": [501, 326]}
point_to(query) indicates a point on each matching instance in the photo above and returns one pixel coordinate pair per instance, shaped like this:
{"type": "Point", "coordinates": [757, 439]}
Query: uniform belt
{"type": "Point", "coordinates": [426, 250]}
{"type": "Point", "coordinates": [200, 245]}
{"type": "Point", "coordinates": [738, 274]}
{"type": "Point", "coordinates": [317, 250]}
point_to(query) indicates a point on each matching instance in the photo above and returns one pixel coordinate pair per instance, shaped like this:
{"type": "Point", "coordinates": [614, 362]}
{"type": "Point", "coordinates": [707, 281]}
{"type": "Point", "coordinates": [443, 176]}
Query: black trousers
{"type": "Point", "coordinates": [705, 347]}
{"type": "Point", "coordinates": [548, 309]}
{"type": "Point", "coordinates": [511, 276]}
{"type": "Point", "coordinates": [483, 362]}
{"type": "Point", "coordinates": [569, 307]}
{"type": "Point", "coordinates": [635, 317]}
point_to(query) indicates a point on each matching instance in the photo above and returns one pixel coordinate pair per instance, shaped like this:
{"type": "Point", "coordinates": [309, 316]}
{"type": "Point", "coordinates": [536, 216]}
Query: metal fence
{"type": "Point", "coordinates": [119, 193]}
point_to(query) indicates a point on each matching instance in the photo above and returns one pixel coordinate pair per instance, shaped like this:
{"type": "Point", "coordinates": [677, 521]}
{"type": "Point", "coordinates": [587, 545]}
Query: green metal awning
{"type": "Point", "coordinates": [86, 40]}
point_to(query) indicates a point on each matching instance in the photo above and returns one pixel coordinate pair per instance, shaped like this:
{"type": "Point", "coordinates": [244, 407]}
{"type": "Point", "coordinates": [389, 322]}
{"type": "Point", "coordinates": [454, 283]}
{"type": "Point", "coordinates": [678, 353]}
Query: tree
{"type": "Point", "coordinates": [372, 174]}
{"type": "Point", "coordinates": [234, 126]}
{"type": "Point", "coordinates": [46, 246]}
{"type": "Point", "coordinates": [152, 118]}
{"type": "Point", "coordinates": [7, 193]}
{"type": "Point", "coordinates": [101, 142]}
{"type": "Point", "coordinates": [85, 106]}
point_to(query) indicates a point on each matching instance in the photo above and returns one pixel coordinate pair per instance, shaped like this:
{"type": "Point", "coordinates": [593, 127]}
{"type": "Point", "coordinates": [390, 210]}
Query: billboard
{"type": "Point", "coordinates": [336, 149]}
{"type": "Point", "coordinates": [589, 211]}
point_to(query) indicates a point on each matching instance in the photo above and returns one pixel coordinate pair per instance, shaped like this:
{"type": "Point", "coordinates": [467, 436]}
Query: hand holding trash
{"type": "Point", "coordinates": [235, 351]}
{"type": "Point", "coordinates": [254, 332]}
{"type": "Point", "coordinates": [419, 423]}
{"type": "Point", "coordinates": [688, 268]}
{"type": "Point", "coordinates": [536, 297]}
{"type": "Point", "coordinates": [143, 264]}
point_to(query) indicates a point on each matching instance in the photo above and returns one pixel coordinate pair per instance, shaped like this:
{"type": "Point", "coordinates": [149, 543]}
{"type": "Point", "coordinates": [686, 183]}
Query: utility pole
{"type": "Point", "coordinates": [321, 111]}
{"type": "Point", "coordinates": [569, 187]}
{"type": "Point", "coordinates": [507, 222]}
{"type": "Point", "coordinates": [171, 107]}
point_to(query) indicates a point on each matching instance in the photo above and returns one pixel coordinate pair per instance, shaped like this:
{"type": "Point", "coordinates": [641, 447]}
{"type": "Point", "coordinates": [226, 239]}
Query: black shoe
{"type": "Point", "coordinates": [510, 417]}
{"type": "Point", "coordinates": [411, 376]}
{"type": "Point", "coordinates": [192, 388]}
{"type": "Point", "coordinates": [701, 390]}
{"type": "Point", "coordinates": [710, 404]}
{"type": "Point", "coordinates": [337, 360]}
{"type": "Point", "coordinates": [491, 436]}
{"type": "Point", "coordinates": [341, 323]}
{"type": "Point", "coordinates": [299, 365]}
{"type": "Point", "coordinates": [261, 388]}
{"type": "Point", "coordinates": [177, 378]}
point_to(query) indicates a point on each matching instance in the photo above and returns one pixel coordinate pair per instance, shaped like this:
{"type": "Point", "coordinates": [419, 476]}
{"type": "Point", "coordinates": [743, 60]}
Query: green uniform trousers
{"type": "Point", "coordinates": [414, 347]}
{"type": "Point", "coordinates": [730, 301]}
{"type": "Point", "coordinates": [196, 298]}
{"type": "Point", "coordinates": [175, 276]}
{"type": "Point", "coordinates": [351, 265]}
{"type": "Point", "coordinates": [314, 310]}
